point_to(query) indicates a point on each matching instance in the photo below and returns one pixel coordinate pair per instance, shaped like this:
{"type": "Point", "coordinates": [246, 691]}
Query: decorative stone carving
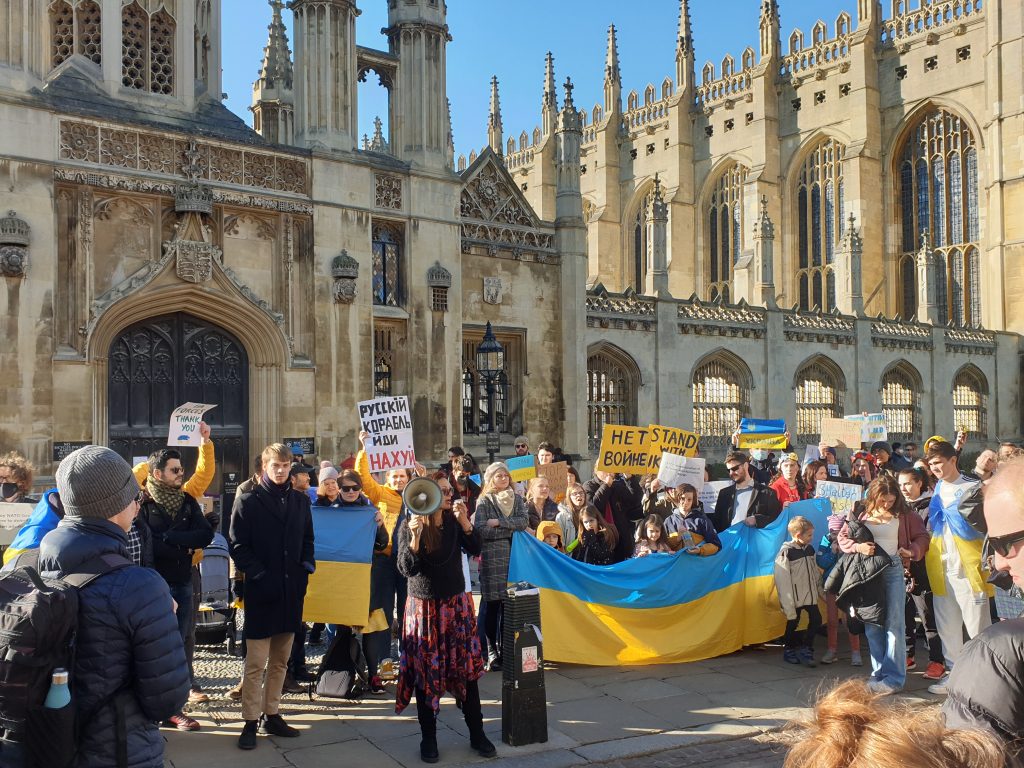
{"type": "Point", "coordinates": [193, 198]}
{"type": "Point", "coordinates": [193, 260]}
{"type": "Point", "coordinates": [388, 191]}
{"type": "Point", "coordinates": [15, 236]}
{"type": "Point", "coordinates": [345, 271]}
{"type": "Point", "coordinates": [823, 328]}
{"type": "Point", "coordinates": [493, 290]}
{"type": "Point", "coordinates": [439, 277]}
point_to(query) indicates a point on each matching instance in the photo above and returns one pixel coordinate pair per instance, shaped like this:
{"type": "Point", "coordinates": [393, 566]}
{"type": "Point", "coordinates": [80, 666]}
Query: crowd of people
{"type": "Point", "coordinates": [921, 555]}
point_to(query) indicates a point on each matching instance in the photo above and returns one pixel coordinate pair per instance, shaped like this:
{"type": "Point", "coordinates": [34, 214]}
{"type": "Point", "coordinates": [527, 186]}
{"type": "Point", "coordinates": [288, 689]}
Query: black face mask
{"type": "Point", "coordinates": [8, 490]}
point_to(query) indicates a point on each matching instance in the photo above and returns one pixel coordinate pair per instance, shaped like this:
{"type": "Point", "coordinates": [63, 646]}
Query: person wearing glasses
{"type": "Point", "coordinates": [177, 529]}
{"type": "Point", "coordinates": [746, 500]}
{"type": "Point", "coordinates": [985, 688]}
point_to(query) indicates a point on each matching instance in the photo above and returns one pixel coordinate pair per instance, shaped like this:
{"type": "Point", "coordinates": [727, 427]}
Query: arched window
{"type": "Point", "coordinates": [612, 383]}
{"type": "Point", "coordinates": [723, 230]}
{"type": "Point", "coordinates": [147, 50]}
{"type": "Point", "coordinates": [820, 393]}
{"type": "Point", "coordinates": [640, 264]}
{"type": "Point", "coordinates": [75, 28]}
{"type": "Point", "coordinates": [819, 208]}
{"type": "Point", "coordinates": [387, 265]}
{"type": "Point", "coordinates": [937, 193]}
{"type": "Point", "coordinates": [901, 401]}
{"type": "Point", "coordinates": [970, 396]}
{"type": "Point", "coordinates": [721, 397]}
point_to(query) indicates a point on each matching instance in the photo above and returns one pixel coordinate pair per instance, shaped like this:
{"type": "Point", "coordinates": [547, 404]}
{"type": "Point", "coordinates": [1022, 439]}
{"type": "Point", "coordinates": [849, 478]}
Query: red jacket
{"type": "Point", "coordinates": [784, 491]}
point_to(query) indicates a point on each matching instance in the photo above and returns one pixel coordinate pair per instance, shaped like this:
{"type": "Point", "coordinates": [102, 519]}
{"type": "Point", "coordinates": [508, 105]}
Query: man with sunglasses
{"type": "Point", "coordinates": [986, 688]}
{"type": "Point", "coordinates": [177, 528]}
{"type": "Point", "coordinates": [746, 500]}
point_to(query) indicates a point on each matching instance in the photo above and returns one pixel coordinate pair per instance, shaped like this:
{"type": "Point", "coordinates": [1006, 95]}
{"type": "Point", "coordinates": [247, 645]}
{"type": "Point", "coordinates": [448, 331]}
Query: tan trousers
{"type": "Point", "coordinates": [261, 696]}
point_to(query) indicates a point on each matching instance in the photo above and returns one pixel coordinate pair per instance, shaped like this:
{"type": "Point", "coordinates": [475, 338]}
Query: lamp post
{"type": "Point", "coordinates": [490, 362]}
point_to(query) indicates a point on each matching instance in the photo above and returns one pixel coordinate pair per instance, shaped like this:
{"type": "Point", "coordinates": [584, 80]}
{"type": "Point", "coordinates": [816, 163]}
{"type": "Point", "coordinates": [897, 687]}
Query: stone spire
{"type": "Point", "coordinates": [764, 257]}
{"type": "Point", "coordinates": [927, 282]}
{"type": "Point", "coordinates": [569, 203]}
{"type": "Point", "coordinates": [657, 243]}
{"type": "Point", "coordinates": [549, 106]}
{"type": "Point", "coordinates": [612, 76]}
{"type": "Point", "coordinates": [850, 293]}
{"type": "Point", "coordinates": [273, 98]}
{"type": "Point", "coordinates": [684, 48]}
{"type": "Point", "coordinates": [771, 35]}
{"type": "Point", "coordinates": [495, 138]}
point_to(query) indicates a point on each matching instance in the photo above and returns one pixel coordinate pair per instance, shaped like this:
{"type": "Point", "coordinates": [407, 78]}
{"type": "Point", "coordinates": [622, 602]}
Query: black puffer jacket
{"type": "Point", "coordinates": [127, 639]}
{"type": "Point", "coordinates": [856, 579]}
{"type": "Point", "coordinates": [176, 538]}
{"type": "Point", "coordinates": [986, 687]}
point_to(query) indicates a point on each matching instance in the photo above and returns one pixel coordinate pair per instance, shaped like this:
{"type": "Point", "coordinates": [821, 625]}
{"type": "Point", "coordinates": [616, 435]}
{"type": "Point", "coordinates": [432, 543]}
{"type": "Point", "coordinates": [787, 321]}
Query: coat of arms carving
{"type": "Point", "coordinates": [193, 259]}
{"type": "Point", "coordinates": [492, 290]}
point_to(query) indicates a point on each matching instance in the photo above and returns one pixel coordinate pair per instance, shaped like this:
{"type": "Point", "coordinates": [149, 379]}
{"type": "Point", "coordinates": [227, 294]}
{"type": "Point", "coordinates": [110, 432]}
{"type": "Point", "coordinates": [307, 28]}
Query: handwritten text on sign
{"type": "Point", "coordinates": [184, 428]}
{"type": "Point", "coordinates": [390, 444]}
{"type": "Point", "coordinates": [669, 440]}
{"type": "Point", "coordinates": [842, 495]}
{"type": "Point", "coordinates": [623, 449]}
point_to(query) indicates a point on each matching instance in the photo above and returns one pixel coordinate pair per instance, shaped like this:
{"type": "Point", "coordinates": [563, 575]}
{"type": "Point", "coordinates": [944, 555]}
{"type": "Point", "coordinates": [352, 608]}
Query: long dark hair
{"type": "Point", "coordinates": [886, 485]}
{"type": "Point", "coordinates": [611, 536]}
{"type": "Point", "coordinates": [430, 539]}
{"type": "Point", "coordinates": [657, 522]}
{"type": "Point", "coordinates": [811, 475]}
{"type": "Point", "coordinates": [923, 478]}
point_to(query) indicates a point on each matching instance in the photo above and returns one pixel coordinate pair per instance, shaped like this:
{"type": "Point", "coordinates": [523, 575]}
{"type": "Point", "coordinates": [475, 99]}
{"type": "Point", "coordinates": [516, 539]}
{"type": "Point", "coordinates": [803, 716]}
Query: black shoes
{"type": "Point", "coordinates": [428, 749]}
{"type": "Point", "coordinates": [274, 725]}
{"type": "Point", "coordinates": [482, 745]}
{"type": "Point", "coordinates": [303, 675]}
{"type": "Point", "coordinates": [248, 738]}
{"type": "Point", "coordinates": [493, 661]}
{"type": "Point", "coordinates": [291, 686]}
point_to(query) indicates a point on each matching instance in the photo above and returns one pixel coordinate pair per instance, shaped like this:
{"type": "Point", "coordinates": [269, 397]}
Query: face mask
{"type": "Point", "coordinates": [8, 490]}
{"type": "Point", "coordinates": [759, 454]}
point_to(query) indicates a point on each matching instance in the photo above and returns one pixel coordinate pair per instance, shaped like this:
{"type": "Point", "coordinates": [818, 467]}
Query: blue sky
{"type": "Point", "coordinates": [510, 40]}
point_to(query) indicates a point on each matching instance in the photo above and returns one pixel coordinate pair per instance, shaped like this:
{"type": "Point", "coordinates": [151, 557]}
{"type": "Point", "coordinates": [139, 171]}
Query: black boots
{"type": "Point", "coordinates": [274, 725]}
{"type": "Point", "coordinates": [248, 738]}
{"type": "Point", "coordinates": [428, 728]}
{"type": "Point", "coordinates": [475, 721]}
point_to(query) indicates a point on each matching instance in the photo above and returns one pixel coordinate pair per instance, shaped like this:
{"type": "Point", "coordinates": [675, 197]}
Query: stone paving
{"type": "Point", "coordinates": [725, 711]}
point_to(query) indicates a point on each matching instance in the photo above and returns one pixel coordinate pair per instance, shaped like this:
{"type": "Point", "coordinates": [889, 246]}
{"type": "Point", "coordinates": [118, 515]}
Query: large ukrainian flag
{"type": "Point", "coordinates": [661, 608]}
{"type": "Point", "coordinates": [339, 591]}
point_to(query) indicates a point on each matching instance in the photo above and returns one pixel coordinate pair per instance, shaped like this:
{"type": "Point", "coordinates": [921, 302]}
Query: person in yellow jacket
{"type": "Point", "coordinates": [387, 585]}
{"type": "Point", "coordinates": [955, 570]}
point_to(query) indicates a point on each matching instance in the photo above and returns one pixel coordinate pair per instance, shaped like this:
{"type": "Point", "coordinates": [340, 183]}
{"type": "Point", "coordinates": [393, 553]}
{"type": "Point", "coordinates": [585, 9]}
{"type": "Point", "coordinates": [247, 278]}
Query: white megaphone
{"type": "Point", "coordinates": [422, 496]}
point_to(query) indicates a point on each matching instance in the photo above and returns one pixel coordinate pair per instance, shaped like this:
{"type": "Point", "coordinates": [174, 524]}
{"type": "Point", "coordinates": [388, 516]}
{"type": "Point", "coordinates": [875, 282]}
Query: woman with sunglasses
{"type": "Point", "coordinates": [440, 648]}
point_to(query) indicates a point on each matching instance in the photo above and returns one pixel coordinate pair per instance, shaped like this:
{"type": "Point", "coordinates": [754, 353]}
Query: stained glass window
{"type": "Point", "coordinates": [820, 204]}
{"type": "Point", "coordinates": [970, 393]}
{"type": "Point", "coordinates": [901, 401]}
{"type": "Point", "coordinates": [387, 266]}
{"type": "Point", "coordinates": [612, 383]}
{"type": "Point", "coordinates": [820, 393]}
{"type": "Point", "coordinates": [721, 397]}
{"type": "Point", "coordinates": [725, 229]}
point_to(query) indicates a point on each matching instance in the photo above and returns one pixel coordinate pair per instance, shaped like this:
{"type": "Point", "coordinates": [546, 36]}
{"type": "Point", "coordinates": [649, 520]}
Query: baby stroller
{"type": "Point", "coordinates": [215, 621]}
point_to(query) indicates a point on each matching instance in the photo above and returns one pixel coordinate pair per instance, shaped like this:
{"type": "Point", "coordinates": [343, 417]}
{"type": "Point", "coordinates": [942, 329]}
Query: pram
{"type": "Point", "coordinates": [215, 621]}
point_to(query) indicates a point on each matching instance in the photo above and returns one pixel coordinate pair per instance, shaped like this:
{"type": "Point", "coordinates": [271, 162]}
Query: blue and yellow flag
{"type": "Point", "coordinates": [661, 608]}
{"type": "Point", "coordinates": [339, 591]}
{"type": "Point", "coordinates": [44, 518]}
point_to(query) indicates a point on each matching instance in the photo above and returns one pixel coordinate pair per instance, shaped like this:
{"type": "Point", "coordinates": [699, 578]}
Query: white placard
{"type": "Point", "coordinates": [842, 495]}
{"type": "Point", "coordinates": [676, 470]}
{"type": "Point", "coordinates": [13, 515]}
{"type": "Point", "coordinates": [872, 427]}
{"type": "Point", "coordinates": [709, 494]}
{"type": "Point", "coordinates": [811, 453]}
{"type": "Point", "coordinates": [184, 428]}
{"type": "Point", "coordinates": [390, 444]}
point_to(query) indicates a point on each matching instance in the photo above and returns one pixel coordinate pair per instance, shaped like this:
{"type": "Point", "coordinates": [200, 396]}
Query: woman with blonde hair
{"type": "Point", "coordinates": [539, 504]}
{"type": "Point", "coordinates": [853, 727]}
{"type": "Point", "coordinates": [568, 517]}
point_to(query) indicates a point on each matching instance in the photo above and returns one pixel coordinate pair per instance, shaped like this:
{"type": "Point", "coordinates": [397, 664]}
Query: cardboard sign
{"type": "Point", "coordinates": [623, 449]}
{"type": "Point", "coordinates": [872, 426]}
{"type": "Point", "coordinates": [390, 444]}
{"type": "Point", "coordinates": [842, 495]}
{"type": "Point", "coordinates": [811, 453]}
{"type": "Point", "coordinates": [841, 433]}
{"type": "Point", "coordinates": [766, 442]}
{"type": "Point", "coordinates": [677, 470]}
{"type": "Point", "coordinates": [184, 428]}
{"type": "Point", "coordinates": [558, 479]}
{"type": "Point", "coordinates": [668, 439]}
{"type": "Point", "coordinates": [709, 494]}
{"type": "Point", "coordinates": [522, 468]}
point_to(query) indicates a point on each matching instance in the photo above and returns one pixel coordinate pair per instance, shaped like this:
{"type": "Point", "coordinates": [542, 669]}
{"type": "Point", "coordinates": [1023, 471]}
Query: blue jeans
{"type": "Point", "coordinates": [182, 594]}
{"type": "Point", "coordinates": [887, 644]}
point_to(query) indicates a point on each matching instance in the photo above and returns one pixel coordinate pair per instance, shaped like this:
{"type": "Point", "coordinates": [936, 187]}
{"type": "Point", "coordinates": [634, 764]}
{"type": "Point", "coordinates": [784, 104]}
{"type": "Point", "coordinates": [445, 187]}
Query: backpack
{"type": "Point", "coordinates": [38, 622]}
{"type": "Point", "coordinates": [342, 673]}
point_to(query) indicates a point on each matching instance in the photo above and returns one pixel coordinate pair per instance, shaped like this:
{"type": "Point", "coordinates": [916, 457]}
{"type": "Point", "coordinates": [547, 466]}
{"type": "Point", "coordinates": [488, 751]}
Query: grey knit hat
{"type": "Point", "coordinates": [95, 482]}
{"type": "Point", "coordinates": [492, 469]}
{"type": "Point", "coordinates": [328, 473]}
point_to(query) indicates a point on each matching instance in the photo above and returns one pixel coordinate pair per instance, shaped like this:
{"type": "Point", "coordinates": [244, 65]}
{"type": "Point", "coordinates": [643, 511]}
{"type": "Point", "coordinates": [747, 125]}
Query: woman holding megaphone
{"type": "Point", "coordinates": [440, 647]}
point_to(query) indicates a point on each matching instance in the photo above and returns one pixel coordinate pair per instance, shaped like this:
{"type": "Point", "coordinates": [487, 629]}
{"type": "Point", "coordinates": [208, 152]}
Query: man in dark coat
{"type": "Point", "coordinates": [272, 543]}
{"type": "Point", "coordinates": [745, 500]}
{"type": "Point", "coordinates": [129, 652]}
{"type": "Point", "coordinates": [620, 499]}
{"type": "Point", "coordinates": [986, 686]}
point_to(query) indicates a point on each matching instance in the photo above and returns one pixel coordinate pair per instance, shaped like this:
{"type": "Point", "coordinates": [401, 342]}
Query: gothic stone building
{"type": "Point", "coordinates": [159, 251]}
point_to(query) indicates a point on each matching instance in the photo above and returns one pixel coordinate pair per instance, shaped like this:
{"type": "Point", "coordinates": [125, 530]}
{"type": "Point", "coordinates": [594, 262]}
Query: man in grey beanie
{"type": "Point", "coordinates": [129, 656]}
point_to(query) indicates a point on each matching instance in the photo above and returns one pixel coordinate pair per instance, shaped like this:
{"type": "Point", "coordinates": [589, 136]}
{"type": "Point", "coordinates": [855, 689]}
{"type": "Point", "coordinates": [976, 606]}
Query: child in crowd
{"type": "Point", "coordinates": [597, 540]}
{"type": "Point", "coordinates": [828, 556]}
{"type": "Point", "coordinates": [550, 533]}
{"type": "Point", "coordinates": [798, 582]}
{"type": "Point", "coordinates": [688, 528]}
{"type": "Point", "coordinates": [651, 537]}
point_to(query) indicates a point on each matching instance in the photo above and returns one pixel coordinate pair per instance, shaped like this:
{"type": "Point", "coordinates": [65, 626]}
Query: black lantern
{"type": "Point", "coordinates": [490, 364]}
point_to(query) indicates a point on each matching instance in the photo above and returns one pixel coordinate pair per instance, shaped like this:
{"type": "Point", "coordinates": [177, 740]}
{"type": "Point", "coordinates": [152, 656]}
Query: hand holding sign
{"type": "Point", "coordinates": [187, 425]}
{"type": "Point", "coordinates": [679, 470]}
{"type": "Point", "coordinates": [387, 433]}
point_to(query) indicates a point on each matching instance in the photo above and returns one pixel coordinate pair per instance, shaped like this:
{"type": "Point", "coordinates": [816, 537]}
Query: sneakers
{"type": "Point", "coordinates": [248, 738]}
{"type": "Point", "coordinates": [182, 723]}
{"type": "Point", "coordinates": [790, 656]}
{"type": "Point", "coordinates": [377, 685]}
{"type": "Point", "coordinates": [935, 671]}
{"type": "Point", "coordinates": [941, 687]}
{"type": "Point", "coordinates": [911, 662]}
{"type": "Point", "coordinates": [881, 689]}
{"type": "Point", "coordinates": [274, 725]}
{"type": "Point", "coordinates": [196, 696]}
{"type": "Point", "coordinates": [830, 657]}
{"type": "Point", "coordinates": [806, 656]}
{"type": "Point", "coordinates": [856, 660]}
{"type": "Point", "coordinates": [493, 661]}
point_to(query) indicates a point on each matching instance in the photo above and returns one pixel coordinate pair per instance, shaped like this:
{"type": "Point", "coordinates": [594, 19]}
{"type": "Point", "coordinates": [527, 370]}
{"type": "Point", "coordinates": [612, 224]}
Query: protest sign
{"type": "Point", "coordinates": [766, 442]}
{"type": "Point", "coordinates": [768, 434]}
{"type": "Point", "coordinates": [811, 453]}
{"type": "Point", "coordinates": [841, 433]}
{"type": "Point", "coordinates": [12, 518]}
{"type": "Point", "coordinates": [842, 495]}
{"type": "Point", "coordinates": [872, 426]}
{"type": "Point", "coordinates": [676, 470]}
{"type": "Point", "coordinates": [184, 428]}
{"type": "Point", "coordinates": [522, 468]}
{"type": "Point", "coordinates": [390, 444]}
{"type": "Point", "coordinates": [762, 426]}
{"type": "Point", "coordinates": [709, 494]}
{"type": "Point", "coordinates": [668, 439]}
{"type": "Point", "coordinates": [623, 449]}
{"type": "Point", "coordinates": [558, 479]}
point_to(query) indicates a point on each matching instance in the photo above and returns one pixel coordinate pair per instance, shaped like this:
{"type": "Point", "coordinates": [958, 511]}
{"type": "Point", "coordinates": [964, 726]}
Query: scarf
{"type": "Point", "coordinates": [280, 491]}
{"type": "Point", "coordinates": [167, 497]}
{"type": "Point", "coordinates": [505, 500]}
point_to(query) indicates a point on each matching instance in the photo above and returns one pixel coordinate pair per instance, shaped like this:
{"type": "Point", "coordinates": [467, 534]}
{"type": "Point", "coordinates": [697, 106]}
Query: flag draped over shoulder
{"type": "Point", "coordinates": [339, 591]}
{"type": "Point", "coordinates": [661, 608]}
{"type": "Point", "coordinates": [42, 520]}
